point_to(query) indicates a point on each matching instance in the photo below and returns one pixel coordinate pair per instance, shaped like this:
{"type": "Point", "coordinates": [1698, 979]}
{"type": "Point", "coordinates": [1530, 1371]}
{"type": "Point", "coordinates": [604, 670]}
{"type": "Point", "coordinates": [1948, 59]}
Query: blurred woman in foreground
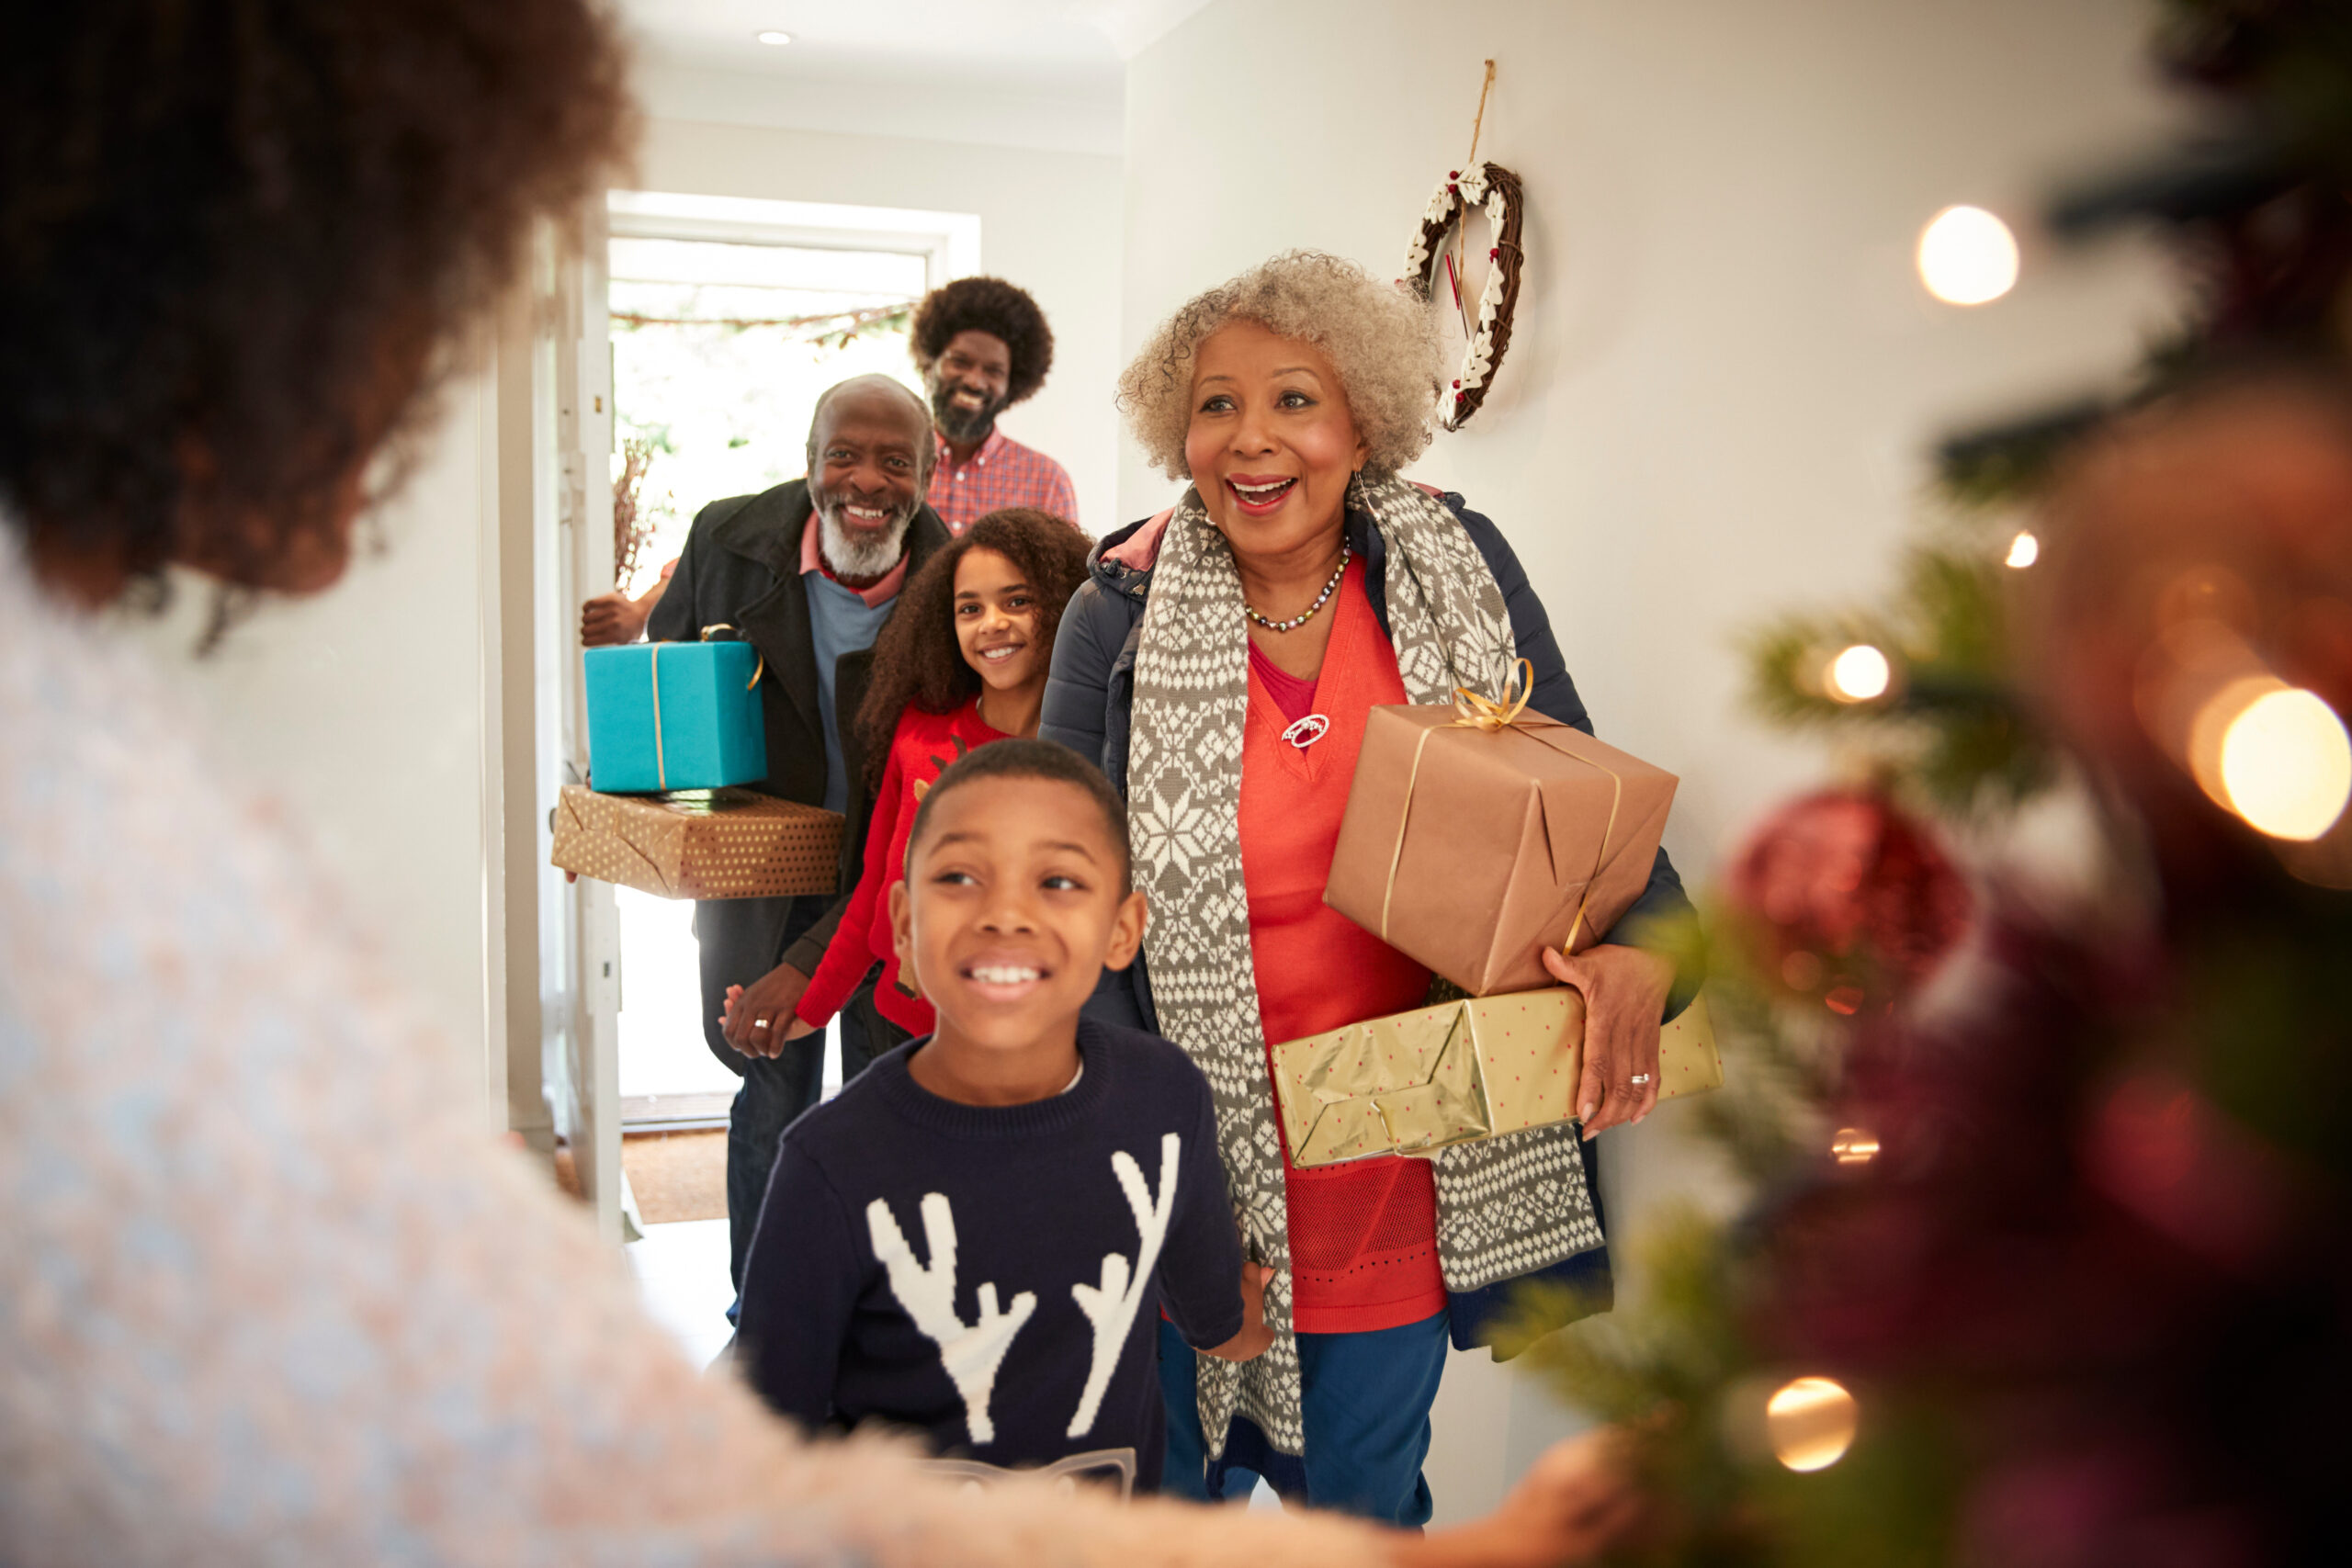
{"type": "Point", "coordinates": [267, 1292]}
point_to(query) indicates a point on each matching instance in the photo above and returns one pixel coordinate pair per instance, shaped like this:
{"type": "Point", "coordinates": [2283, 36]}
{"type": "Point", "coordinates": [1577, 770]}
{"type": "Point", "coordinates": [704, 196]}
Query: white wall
{"type": "Point", "coordinates": [363, 712]}
{"type": "Point", "coordinates": [1049, 221]}
{"type": "Point", "coordinates": [1062, 111]}
{"type": "Point", "coordinates": [1724, 373]}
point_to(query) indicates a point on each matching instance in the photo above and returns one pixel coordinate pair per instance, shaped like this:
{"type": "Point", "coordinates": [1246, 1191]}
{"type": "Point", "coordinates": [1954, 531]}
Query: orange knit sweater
{"type": "Point", "coordinates": [1362, 1235]}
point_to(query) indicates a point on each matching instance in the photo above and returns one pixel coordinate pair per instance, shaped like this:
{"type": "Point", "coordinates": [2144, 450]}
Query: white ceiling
{"type": "Point", "coordinates": [1025, 72]}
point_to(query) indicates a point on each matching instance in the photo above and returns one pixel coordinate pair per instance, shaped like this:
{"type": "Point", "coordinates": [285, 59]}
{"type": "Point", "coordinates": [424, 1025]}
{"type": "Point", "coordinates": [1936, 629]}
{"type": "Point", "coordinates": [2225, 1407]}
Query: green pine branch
{"type": "Point", "coordinates": [1950, 727]}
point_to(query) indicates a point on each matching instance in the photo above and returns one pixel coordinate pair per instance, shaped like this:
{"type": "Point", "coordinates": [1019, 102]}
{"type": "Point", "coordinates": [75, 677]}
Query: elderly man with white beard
{"type": "Point", "coordinates": [807, 573]}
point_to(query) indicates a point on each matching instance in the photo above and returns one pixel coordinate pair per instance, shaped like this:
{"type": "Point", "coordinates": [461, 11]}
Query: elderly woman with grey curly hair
{"type": "Point", "coordinates": [1219, 662]}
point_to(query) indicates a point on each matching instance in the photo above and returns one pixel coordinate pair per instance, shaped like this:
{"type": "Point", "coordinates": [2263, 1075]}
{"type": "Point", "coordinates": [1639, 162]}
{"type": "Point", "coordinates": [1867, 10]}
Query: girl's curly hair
{"type": "Point", "coordinates": [1383, 344]}
{"type": "Point", "coordinates": [237, 237]}
{"type": "Point", "coordinates": [916, 660]}
{"type": "Point", "coordinates": [989, 305]}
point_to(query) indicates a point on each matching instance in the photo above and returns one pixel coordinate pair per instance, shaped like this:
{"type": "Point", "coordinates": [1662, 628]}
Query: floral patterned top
{"type": "Point", "coordinates": [270, 1289]}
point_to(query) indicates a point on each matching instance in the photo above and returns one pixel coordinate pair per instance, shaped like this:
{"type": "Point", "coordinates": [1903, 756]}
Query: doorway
{"type": "Point", "coordinates": [729, 320]}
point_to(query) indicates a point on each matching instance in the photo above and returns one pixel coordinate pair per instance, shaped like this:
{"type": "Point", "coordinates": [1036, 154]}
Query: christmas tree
{"type": "Point", "coordinates": [2045, 1261]}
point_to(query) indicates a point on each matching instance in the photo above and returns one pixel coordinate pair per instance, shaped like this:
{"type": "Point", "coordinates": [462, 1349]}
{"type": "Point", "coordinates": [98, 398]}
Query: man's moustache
{"type": "Point", "coordinates": [946, 396]}
{"type": "Point", "coordinates": [834, 505]}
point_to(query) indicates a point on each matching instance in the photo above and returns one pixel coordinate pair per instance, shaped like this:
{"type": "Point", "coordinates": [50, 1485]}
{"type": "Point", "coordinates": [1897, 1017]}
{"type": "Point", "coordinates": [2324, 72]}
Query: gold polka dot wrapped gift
{"type": "Point", "coordinates": [703, 843]}
{"type": "Point", "coordinates": [1413, 1083]}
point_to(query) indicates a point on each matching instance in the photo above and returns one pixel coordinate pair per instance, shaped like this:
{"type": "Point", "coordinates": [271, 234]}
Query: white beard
{"type": "Point", "coordinates": [859, 555]}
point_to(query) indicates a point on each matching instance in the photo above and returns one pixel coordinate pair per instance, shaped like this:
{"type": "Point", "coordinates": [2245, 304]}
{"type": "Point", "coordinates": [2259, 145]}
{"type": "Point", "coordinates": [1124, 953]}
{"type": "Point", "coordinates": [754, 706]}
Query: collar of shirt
{"type": "Point", "coordinates": [989, 448]}
{"type": "Point", "coordinates": [813, 560]}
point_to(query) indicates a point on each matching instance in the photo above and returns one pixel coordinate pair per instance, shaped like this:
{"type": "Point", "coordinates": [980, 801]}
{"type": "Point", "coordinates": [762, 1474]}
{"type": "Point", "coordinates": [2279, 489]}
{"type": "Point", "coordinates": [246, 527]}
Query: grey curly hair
{"type": "Point", "coordinates": [1383, 342]}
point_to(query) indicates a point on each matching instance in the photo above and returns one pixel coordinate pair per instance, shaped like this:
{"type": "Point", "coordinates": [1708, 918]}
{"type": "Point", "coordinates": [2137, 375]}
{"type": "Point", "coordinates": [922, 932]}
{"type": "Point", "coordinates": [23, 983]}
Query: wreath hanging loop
{"type": "Point", "coordinates": [1496, 191]}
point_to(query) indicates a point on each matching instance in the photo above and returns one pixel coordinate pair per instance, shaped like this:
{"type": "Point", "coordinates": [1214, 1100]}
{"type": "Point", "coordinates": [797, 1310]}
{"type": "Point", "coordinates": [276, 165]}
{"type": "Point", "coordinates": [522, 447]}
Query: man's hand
{"type": "Point", "coordinates": [1577, 1502]}
{"type": "Point", "coordinates": [1624, 998]}
{"type": "Point", "coordinates": [610, 619]}
{"type": "Point", "coordinates": [754, 1019]}
{"type": "Point", "coordinates": [1255, 1335]}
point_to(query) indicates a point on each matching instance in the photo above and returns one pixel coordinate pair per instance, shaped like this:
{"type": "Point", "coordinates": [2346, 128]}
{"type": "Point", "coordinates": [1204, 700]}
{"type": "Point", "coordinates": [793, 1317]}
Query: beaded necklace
{"type": "Point", "coordinates": [1308, 613]}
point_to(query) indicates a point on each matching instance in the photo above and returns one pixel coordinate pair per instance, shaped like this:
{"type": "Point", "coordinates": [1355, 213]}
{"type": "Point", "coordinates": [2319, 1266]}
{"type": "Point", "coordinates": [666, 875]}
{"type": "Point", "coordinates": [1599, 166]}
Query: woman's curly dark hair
{"type": "Point", "coordinates": [916, 660]}
{"type": "Point", "coordinates": [988, 305]}
{"type": "Point", "coordinates": [238, 237]}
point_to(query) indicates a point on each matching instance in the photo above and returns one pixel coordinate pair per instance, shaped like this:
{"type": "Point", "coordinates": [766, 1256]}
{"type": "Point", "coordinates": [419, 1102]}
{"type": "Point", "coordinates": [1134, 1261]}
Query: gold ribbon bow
{"type": "Point", "coordinates": [758, 670]}
{"type": "Point", "coordinates": [660, 760]}
{"type": "Point", "coordinates": [1473, 711]}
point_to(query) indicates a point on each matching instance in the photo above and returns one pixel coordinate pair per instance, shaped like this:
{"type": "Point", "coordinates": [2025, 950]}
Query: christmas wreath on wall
{"type": "Point", "coordinates": [1497, 190]}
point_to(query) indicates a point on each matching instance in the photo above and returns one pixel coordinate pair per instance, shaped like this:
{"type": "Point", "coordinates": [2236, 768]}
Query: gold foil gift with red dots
{"type": "Point", "coordinates": [1413, 1083]}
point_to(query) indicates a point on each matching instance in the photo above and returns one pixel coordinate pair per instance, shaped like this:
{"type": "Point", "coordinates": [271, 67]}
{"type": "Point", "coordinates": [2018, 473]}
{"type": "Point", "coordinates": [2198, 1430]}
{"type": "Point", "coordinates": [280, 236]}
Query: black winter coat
{"type": "Point", "coordinates": [1089, 706]}
{"type": "Point", "coordinates": [741, 567]}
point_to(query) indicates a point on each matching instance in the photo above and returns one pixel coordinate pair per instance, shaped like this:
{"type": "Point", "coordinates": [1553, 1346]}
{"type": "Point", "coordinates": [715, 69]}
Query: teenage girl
{"type": "Point", "coordinates": [963, 662]}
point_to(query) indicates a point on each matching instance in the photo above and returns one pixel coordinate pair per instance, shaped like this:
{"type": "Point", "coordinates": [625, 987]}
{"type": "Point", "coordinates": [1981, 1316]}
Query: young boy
{"type": "Point", "coordinates": [975, 1238]}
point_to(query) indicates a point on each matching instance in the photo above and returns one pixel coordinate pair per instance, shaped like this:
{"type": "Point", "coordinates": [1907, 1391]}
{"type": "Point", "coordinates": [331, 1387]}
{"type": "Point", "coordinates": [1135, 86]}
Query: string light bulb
{"type": "Point", "coordinates": [1859, 675]}
{"type": "Point", "coordinates": [1967, 256]}
{"type": "Point", "coordinates": [1812, 1423]}
{"type": "Point", "coordinates": [2024, 551]}
{"type": "Point", "coordinates": [1854, 1146]}
{"type": "Point", "coordinates": [2286, 765]}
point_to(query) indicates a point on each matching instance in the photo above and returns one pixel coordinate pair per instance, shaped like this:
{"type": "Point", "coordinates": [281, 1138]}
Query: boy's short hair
{"type": "Point", "coordinates": [1024, 758]}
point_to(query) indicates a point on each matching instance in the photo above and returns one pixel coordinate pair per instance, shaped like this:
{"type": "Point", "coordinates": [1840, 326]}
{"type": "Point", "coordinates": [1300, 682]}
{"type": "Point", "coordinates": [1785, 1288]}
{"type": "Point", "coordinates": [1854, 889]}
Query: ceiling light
{"type": "Point", "coordinates": [777, 39]}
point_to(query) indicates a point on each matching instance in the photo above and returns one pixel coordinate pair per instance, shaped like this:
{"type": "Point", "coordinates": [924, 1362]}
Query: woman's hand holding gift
{"type": "Point", "coordinates": [1624, 991]}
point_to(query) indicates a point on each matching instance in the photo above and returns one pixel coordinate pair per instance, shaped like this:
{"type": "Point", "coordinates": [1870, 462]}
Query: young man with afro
{"type": "Point", "coordinates": [983, 345]}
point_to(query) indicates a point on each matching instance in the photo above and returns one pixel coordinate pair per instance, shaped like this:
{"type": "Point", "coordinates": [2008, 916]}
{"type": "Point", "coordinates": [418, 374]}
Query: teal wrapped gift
{"type": "Point", "coordinates": [665, 716]}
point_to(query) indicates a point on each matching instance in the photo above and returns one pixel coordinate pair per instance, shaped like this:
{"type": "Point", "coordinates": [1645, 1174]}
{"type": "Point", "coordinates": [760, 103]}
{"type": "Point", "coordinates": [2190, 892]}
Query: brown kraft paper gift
{"type": "Point", "coordinates": [1417, 1082]}
{"type": "Point", "coordinates": [1470, 845]}
{"type": "Point", "coordinates": [710, 843]}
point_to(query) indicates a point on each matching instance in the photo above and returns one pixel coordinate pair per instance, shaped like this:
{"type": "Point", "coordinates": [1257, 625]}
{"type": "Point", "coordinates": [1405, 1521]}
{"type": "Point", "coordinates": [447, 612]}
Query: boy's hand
{"type": "Point", "coordinates": [1578, 1501]}
{"type": "Point", "coordinates": [1255, 1335]}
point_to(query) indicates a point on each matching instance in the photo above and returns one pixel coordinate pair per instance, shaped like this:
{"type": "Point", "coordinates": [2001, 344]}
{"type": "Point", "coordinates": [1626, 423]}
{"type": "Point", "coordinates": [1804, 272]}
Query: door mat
{"type": "Point", "coordinates": [678, 1176]}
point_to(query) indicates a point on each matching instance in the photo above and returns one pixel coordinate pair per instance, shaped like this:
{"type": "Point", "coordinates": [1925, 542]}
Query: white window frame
{"type": "Point", "coordinates": [949, 242]}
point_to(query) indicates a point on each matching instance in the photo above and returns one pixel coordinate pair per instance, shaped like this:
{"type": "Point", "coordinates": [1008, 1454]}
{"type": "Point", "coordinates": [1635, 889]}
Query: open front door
{"type": "Point", "coordinates": [584, 932]}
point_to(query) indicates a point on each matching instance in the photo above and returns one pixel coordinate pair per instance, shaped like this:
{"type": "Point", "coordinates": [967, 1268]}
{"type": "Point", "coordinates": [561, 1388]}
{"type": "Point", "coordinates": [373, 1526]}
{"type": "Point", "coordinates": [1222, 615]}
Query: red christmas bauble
{"type": "Point", "coordinates": [1848, 898]}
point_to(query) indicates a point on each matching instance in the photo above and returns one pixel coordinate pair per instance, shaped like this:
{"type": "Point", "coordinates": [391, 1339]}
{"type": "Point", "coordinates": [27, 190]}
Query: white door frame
{"type": "Point", "coordinates": [559, 359]}
{"type": "Point", "coordinates": [581, 930]}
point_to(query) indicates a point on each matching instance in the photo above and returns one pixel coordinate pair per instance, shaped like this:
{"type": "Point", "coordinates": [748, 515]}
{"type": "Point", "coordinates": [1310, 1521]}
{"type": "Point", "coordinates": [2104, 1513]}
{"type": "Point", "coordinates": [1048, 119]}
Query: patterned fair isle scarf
{"type": "Point", "coordinates": [1505, 1207]}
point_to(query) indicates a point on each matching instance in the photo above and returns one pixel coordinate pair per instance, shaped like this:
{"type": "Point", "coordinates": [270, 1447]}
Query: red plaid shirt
{"type": "Point", "coordinates": [1001, 473]}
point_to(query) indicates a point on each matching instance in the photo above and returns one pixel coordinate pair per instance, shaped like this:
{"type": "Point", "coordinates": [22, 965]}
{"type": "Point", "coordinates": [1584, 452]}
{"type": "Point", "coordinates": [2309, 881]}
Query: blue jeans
{"type": "Point", "coordinates": [774, 1091]}
{"type": "Point", "coordinates": [1367, 1399]}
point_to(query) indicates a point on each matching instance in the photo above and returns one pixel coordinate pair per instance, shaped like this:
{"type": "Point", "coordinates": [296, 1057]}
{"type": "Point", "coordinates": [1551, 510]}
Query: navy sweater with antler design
{"type": "Point", "coordinates": [993, 1276]}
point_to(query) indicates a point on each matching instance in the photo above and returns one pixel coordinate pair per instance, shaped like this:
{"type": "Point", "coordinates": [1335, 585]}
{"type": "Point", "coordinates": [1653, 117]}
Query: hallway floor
{"type": "Point", "coordinates": [681, 1269]}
